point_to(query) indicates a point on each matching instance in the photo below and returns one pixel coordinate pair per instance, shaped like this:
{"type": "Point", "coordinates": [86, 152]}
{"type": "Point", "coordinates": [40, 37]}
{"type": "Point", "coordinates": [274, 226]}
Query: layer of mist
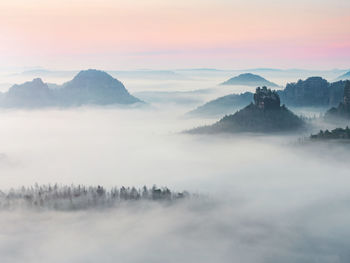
{"type": "Point", "coordinates": [261, 198]}
{"type": "Point", "coordinates": [269, 198]}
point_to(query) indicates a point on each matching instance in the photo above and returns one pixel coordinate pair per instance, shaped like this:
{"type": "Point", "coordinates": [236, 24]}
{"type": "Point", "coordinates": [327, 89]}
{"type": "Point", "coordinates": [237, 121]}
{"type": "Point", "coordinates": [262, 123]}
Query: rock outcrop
{"type": "Point", "coordinates": [266, 99]}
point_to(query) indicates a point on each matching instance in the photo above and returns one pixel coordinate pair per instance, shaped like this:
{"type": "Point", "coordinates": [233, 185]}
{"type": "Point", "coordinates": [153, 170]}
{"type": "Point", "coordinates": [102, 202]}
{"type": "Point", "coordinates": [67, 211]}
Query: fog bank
{"type": "Point", "coordinates": [265, 198]}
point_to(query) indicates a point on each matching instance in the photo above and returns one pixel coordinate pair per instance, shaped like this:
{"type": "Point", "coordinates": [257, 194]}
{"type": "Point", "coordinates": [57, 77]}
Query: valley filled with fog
{"type": "Point", "coordinates": [257, 197]}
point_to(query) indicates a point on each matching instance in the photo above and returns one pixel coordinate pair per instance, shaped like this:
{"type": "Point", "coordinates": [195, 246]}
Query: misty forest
{"type": "Point", "coordinates": [102, 165]}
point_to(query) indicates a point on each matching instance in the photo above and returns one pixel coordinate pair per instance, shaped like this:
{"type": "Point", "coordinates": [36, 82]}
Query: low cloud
{"type": "Point", "coordinates": [264, 199]}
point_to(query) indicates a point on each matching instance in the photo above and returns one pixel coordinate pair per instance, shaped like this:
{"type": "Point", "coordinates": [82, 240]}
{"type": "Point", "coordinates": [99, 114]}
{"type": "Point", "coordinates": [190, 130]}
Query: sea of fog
{"type": "Point", "coordinates": [259, 198]}
{"type": "Point", "coordinates": [262, 198]}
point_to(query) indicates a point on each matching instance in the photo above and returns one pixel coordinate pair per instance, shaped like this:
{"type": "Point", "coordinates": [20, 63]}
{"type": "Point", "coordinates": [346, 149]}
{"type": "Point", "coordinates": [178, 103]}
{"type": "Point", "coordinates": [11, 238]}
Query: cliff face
{"type": "Point", "coordinates": [343, 109]}
{"type": "Point", "coordinates": [314, 91]}
{"type": "Point", "coordinates": [336, 92]}
{"type": "Point", "coordinates": [310, 92]}
{"type": "Point", "coordinates": [347, 94]}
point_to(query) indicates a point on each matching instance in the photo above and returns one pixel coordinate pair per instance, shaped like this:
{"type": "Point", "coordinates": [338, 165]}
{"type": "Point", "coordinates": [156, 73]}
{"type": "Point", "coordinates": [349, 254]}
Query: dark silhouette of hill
{"type": "Point", "coordinates": [87, 87]}
{"type": "Point", "coordinates": [314, 91]}
{"type": "Point", "coordinates": [249, 79]}
{"type": "Point", "coordinates": [336, 134]}
{"type": "Point", "coordinates": [265, 115]}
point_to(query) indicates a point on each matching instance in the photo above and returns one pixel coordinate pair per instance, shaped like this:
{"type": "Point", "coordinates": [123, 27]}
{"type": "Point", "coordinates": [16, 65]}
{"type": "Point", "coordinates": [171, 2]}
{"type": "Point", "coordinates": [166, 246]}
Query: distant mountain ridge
{"type": "Point", "coordinates": [87, 87]}
{"type": "Point", "coordinates": [312, 92]}
{"type": "Point", "coordinates": [222, 105]}
{"type": "Point", "coordinates": [249, 79]}
{"type": "Point", "coordinates": [33, 93]}
{"type": "Point", "coordinates": [345, 76]}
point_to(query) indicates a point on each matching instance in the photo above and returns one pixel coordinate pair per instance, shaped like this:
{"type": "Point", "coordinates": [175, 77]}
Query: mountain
{"type": "Point", "coordinates": [312, 92]}
{"type": "Point", "coordinates": [265, 115]}
{"type": "Point", "coordinates": [249, 79]}
{"type": "Point", "coordinates": [33, 93]}
{"type": "Point", "coordinates": [223, 105]}
{"type": "Point", "coordinates": [345, 76]}
{"type": "Point", "coordinates": [343, 109]}
{"type": "Point", "coordinates": [87, 87]}
{"type": "Point", "coordinates": [94, 87]}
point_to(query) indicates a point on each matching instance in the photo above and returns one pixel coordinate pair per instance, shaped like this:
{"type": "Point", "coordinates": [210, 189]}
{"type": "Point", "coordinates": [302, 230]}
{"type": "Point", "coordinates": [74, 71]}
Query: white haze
{"type": "Point", "coordinates": [264, 198]}
{"type": "Point", "coordinates": [267, 198]}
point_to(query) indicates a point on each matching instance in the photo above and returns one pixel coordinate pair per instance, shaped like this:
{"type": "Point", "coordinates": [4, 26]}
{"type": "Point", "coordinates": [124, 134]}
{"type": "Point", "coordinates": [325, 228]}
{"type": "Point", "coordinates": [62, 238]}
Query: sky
{"type": "Point", "coordinates": [134, 34]}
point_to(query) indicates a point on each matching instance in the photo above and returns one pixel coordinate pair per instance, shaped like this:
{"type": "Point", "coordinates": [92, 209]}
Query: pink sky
{"type": "Point", "coordinates": [113, 34]}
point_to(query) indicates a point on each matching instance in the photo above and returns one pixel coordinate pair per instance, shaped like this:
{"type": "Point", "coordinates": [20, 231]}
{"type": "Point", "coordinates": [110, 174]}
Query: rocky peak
{"type": "Point", "coordinates": [266, 99]}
